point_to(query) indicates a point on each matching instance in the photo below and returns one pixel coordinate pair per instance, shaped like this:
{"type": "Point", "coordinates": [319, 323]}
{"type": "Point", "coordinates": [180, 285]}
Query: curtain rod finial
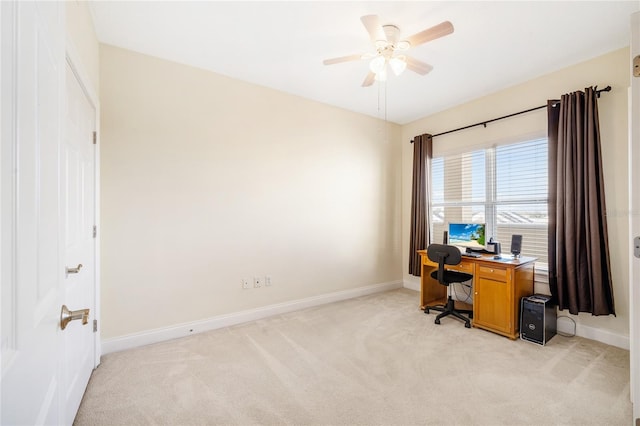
{"type": "Point", "coordinates": [598, 92]}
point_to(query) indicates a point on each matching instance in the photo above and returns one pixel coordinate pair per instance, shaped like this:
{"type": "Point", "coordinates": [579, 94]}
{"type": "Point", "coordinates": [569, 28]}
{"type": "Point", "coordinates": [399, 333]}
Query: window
{"type": "Point", "coordinates": [504, 187]}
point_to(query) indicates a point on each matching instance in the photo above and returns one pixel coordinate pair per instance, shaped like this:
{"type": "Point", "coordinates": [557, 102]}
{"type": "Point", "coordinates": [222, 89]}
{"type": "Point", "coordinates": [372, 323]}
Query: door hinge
{"type": "Point", "coordinates": [95, 231]}
{"type": "Point", "coordinates": [95, 138]}
{"type": "Point", "coordinates": [636, 66]}
{"type": "Point", "coordinates": [95, 326]}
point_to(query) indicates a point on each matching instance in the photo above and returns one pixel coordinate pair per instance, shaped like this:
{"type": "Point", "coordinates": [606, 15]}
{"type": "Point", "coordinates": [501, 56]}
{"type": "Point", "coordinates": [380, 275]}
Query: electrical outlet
{"type": "Point", "coordinates": [267, 280]}
{"type": "Point", "coordinates": [257, 282]}
{"type": "Point", "coordinates": [245, 283]}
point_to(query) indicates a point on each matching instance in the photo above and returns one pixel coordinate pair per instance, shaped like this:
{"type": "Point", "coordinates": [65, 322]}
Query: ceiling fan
{"type": "Point", "coordinates": [387, 42]}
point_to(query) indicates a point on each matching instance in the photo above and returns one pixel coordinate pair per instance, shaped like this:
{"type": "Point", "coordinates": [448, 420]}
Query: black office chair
{"type": "Point", "coordinates": [443, 255]}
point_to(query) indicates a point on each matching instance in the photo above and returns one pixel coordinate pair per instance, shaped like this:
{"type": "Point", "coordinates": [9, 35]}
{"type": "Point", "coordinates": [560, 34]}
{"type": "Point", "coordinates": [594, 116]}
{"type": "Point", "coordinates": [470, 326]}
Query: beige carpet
{"type": "Point", "coordinates": [374, 360]}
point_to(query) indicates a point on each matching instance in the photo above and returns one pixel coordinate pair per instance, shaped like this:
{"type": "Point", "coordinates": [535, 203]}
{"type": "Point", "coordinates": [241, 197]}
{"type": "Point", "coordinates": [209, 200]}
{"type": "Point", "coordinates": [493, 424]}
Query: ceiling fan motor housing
{"type": "Point", "coordinates": [392, 42]}
{"type": "Point", "coordinates": [392, 33]}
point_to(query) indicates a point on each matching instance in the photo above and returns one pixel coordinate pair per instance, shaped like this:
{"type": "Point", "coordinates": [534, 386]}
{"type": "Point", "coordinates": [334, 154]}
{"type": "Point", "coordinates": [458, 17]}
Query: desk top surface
{"type": "Point", "coordinates": [506, 259]}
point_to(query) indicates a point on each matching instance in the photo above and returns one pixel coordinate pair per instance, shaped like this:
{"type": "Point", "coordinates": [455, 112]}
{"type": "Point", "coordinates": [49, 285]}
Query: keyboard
{"type": "Point", "coordinates": [471, 255]}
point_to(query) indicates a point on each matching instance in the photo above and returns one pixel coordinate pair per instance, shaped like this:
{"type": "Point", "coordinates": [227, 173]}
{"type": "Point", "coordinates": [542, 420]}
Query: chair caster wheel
{"type": "Point", "coordinates": [437, 321]}
{"type": "Point", "coordinates": [426, 310]}
{"type": "Point", "coordinates": [467, 325]}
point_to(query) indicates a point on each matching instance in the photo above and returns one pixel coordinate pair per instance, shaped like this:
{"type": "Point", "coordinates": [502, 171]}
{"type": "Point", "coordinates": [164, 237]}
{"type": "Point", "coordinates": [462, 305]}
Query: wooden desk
{"type": "Point", "coordinates": [498, 286]}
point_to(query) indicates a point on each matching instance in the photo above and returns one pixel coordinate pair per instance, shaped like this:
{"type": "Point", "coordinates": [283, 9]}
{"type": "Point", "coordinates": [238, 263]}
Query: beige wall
{"type": "Point", "coordinates": [82, 35]}
{"type": "Point", "coordinates": [611, 69]}
{"type": "Point", "coordinates": [207, 180]}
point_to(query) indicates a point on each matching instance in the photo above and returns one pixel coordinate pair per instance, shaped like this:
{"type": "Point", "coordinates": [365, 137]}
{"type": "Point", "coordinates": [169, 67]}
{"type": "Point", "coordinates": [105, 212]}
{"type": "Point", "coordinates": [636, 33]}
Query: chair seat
{"type": "Point", "coordinates": [452, 276]}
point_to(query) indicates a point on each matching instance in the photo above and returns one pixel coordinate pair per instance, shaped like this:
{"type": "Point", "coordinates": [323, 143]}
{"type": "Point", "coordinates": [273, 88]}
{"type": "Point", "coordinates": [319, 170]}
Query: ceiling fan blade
{"type": "Point", "coordinates": [432, 33]}
{"type": "Point", "coordinates": [417, 66]}
{"type": "Point", "coordinates": [342, 59]}
{"type": "Point", "coordinates": [372, 24]}
{"type": "Point", "coordinates": [369, 79]}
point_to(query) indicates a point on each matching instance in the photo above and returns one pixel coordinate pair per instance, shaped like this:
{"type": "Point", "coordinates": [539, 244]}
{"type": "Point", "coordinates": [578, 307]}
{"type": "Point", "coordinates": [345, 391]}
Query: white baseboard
{"type": "Point", "coordinates": [602, 336]}
{"type": "Point", "coordinates": [566, 327]}
{"type": "Point", "coordinates": [411, 285]}
{"type": "Point", "coordinates": [135, 340]}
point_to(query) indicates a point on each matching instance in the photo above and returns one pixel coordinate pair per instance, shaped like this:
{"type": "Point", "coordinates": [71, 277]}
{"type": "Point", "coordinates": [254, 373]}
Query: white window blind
{"type": "Point", "coordinates": [504, 187]}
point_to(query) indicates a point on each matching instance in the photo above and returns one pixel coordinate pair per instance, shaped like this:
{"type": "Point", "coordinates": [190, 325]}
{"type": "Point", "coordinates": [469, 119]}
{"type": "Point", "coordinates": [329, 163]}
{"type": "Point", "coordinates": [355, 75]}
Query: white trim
{"type": "Point", "coordinates": [592, 333]}
{"type": "Point", "coordinates": [8, 157]}
{"type": "Point", "coordinates": [182, 330]}
{"type": "Point", "coordinates": [634, 217]}
{"type": "Point", "coordinates": [412, 285]}
{"type": "Point", "coordinates": [75, 62]}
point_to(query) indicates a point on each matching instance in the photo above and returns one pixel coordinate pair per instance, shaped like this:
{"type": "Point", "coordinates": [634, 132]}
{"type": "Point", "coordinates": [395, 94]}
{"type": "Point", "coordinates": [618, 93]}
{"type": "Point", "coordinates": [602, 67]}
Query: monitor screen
{"type": "Point", "coordinates": [468, 235]}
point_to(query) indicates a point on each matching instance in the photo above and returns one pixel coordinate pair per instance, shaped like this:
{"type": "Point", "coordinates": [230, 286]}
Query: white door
{"type": "Point", "coordinates": [78, 201]}
{"type": "Point", "coordinates": [634, 222]}
{"type": "Point", "coordinates": [32, 82]}
{"type": "Point", "coordinates": [47, 196]}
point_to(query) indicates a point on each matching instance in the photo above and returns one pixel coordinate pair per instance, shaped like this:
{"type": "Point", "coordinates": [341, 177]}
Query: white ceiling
{"type": "Point", "coordinates": [281, 45]}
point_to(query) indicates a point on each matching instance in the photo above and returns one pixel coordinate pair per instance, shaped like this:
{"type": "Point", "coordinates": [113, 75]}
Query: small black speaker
{"type": "Point", "coordinates": [538, 319]}
{"type": "Point", "coordinates": [445, 237]}
{"type": "Point", "coordinates": [516, 245]}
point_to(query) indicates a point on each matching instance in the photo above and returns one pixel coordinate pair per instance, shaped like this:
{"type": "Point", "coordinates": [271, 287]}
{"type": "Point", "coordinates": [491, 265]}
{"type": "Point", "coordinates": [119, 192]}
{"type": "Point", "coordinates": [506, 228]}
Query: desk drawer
{"type": "Point", "coordinates": [498, 274]}
{"type": "Point", "coordinates": [462, 267]}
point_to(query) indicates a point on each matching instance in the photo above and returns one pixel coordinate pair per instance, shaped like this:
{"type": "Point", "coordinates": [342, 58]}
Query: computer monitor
{"type": "Point", "coordinates": [467, 235]}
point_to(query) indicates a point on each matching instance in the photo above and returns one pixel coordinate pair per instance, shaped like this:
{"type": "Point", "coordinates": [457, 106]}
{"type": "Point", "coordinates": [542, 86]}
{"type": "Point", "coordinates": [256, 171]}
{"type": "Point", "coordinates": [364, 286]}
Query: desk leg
{"type": "Point", "coordinates": [431, 292]}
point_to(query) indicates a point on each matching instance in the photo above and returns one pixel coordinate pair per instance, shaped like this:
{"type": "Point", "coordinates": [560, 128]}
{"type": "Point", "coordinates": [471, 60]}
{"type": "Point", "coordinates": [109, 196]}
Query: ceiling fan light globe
{"type": "Point", "coordinates": [377, 64]}
{"type": "Point", "coordinates": [398, 65]}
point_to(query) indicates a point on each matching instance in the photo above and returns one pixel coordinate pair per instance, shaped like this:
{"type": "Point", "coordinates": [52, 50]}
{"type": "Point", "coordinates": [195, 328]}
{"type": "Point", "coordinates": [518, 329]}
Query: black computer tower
{"type": "Point", "coordinates": [538, 319]}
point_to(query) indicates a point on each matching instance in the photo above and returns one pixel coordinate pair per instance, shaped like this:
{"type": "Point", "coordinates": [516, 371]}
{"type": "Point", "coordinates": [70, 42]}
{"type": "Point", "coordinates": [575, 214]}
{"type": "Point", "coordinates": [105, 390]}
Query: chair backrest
{"type": "Point", "coordinates": [450, 254]}
{"type": "Point", "coordinates": [443, 254]}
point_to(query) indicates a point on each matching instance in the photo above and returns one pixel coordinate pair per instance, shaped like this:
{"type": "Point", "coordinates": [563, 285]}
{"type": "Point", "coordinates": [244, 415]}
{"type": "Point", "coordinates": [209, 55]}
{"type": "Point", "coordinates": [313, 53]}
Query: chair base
{"type": "Point", "coordinates": [449, 309]}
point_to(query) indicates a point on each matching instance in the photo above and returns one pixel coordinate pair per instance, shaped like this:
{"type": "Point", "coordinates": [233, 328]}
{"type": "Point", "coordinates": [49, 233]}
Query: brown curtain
{"type": "Point", "coordinates": [579, 266]}
{"type": "Point", "coordinates": [419, 238]}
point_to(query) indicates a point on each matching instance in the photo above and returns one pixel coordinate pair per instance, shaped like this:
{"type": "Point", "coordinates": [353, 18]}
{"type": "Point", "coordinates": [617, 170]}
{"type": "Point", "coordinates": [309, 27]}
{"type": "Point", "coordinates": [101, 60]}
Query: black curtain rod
{"type": "Point", "coordinates": [484, 123]}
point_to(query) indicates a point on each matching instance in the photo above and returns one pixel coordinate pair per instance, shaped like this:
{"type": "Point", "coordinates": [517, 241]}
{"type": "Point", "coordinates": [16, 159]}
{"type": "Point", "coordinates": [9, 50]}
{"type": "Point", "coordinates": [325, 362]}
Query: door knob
{"type": "Point", "coordinates": [73, 270]}
{"type": "Point", "coordinates": [66, 316]}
